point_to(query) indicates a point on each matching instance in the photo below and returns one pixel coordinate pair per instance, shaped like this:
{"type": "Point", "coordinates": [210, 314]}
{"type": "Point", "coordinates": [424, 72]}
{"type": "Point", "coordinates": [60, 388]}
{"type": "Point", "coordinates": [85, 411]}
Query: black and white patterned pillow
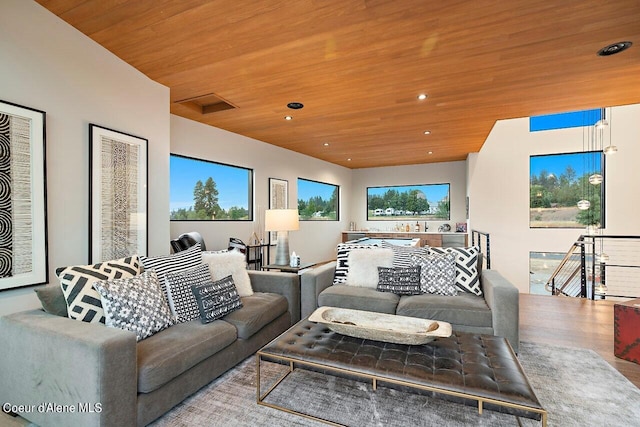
{"type": "Point", "coordinates": [342, 263]}
{"type": "Point", "coordinates": [216, 299]}
{"type": "Point", "coordinates": [437, 273]}
{"type": "Point", "coordinates": [400, 281]}
{"type": "Point", "coordinates": [83, 302]}
{"type": "Point", "coordinates": [467, 279]}
{"type": "Point", "coordinates": [179, 295]}
{"type": "Point", "coordinates": [135, 304]}
{"type": "Point", "coordinates": [183, 260]}
{"type": "Point", "coordinates": [402, 254]}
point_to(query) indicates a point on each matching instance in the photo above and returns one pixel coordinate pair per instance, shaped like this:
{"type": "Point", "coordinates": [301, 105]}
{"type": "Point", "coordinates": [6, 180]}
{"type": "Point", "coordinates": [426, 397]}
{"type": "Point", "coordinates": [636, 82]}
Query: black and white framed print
{"type": "Point", "coordinates": [278, 199]}
{"type": "Point", "coordinates": [117, 194]}
{"type": "Point", "coordinates": [23, 197]}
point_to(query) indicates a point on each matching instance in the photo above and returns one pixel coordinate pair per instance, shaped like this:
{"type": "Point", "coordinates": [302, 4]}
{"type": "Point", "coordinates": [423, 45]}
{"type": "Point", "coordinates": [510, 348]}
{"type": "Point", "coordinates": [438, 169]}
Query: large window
{"type": "Point", "coordinates": [318, 201]}
{"type": "Point", "coordinates": [426, 201]}
{"type": "Point", "coordinates": [201, 190]}
{"type": "Point", "coordinates": [558, 182]}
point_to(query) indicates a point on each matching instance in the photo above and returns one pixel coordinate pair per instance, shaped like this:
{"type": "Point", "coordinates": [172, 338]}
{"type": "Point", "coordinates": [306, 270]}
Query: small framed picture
{"type": "Point", "coordinates": [461, 227]}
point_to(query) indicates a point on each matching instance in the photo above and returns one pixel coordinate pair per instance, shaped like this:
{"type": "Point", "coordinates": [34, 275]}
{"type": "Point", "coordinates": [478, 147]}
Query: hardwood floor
{"type": "Point", "coordinates": [573, 322]}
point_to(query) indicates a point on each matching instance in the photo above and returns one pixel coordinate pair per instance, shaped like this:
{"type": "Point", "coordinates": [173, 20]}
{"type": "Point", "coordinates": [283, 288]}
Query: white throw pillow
{"type": "Point", "coordinates": [363, 266]}
{"type": "Point", "coordinates": [234, 263]}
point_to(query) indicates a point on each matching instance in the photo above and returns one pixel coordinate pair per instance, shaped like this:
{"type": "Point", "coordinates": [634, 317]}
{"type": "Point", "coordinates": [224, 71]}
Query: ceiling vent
{"type": "Point", "coordinates": [207, 104]}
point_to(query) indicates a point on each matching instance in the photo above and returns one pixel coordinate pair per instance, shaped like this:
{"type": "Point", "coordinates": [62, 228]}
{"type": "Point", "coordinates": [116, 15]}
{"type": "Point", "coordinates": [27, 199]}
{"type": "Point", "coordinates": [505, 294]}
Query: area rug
{"type": "Point", "coordinates": [576, 386]}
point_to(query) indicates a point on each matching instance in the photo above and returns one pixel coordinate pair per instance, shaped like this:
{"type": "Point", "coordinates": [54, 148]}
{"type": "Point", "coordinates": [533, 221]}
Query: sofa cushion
{"type": "Point", "coordinates": [83, 301]}
{"type": "Point", "coordinates": [257, 311]}
{"type": "Point", "coordinates": [345, 296]}
{"type": "Point", "coordinates": [173, 351]}
{"type": "Point", "coordinates": [363, 266]}
{"type": "Point", "coordinates": [465, 309]}
{"type": "Point", "coordinates": [216, 299]}
{"type": "Point", "coordinates": [234, 263]}
{"type": "Point", "coordinates": [135, 304]}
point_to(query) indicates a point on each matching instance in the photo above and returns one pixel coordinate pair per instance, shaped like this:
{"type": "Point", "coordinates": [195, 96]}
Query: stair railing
{"type": "Point", "coordinates": [569, 278]}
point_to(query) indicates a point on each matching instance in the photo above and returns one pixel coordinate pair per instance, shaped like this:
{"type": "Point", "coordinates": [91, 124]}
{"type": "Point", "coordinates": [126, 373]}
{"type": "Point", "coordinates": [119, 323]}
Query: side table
{"type": "Point", "coordinates": [294, 270]}
{"type": "Point", "coordinates": [626, 330]}
{"type": "Point", "coordinates": [287, 268]}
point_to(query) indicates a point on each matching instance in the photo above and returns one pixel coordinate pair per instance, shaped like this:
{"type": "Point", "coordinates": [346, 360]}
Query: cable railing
{"type": "Point", "coordinates": [597, 267]}
{"type": "Point", "coordinates": [481, 237]}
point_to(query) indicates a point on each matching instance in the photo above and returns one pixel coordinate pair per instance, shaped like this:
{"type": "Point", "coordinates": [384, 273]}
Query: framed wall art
{"type": "Point", "coordinates": [278, 199]}
{"type": "Point", "coordinates": [23, 197]}
{"type": "Point", "coordinates": [117, 194]}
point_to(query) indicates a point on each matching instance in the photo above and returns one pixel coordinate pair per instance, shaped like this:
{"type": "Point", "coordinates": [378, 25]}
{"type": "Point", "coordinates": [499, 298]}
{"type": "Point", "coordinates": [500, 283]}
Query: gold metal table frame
{"type": "Point", "coordinates": [374, 379]}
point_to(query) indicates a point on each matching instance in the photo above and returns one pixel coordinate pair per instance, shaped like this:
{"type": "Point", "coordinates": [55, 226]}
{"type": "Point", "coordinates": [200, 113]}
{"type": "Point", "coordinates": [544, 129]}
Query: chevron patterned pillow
{"type": "Point", "coordinates": [83, 302]}
{"type": "Point", "coordinates": [467, 279]}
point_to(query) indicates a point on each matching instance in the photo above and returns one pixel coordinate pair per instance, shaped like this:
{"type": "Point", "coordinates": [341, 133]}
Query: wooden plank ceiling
{"type": "Point", "coordinates": [358, 66]}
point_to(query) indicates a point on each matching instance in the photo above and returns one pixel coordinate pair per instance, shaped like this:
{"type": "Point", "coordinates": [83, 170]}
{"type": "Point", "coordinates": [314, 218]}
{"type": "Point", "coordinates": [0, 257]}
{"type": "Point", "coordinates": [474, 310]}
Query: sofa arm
{"type": "Point", "coordinates": [66, 372]}
{"type": "Point", "coordinates": [313, 282]}
{"type": "Point", "coordinates": [285, 284]}
{"type": "Point", "coordinates": [503, 299]}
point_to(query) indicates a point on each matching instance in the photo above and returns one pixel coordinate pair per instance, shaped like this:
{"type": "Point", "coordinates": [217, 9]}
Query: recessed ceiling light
{"type": "Point", "coordinates": [288, 117]}
{"type": "Point", "coordinates": [295, 105]}
{"type": "Point", "coordinates": [427, 132]}
{"type": "Point", "coordinates": [422, 96]}
{"type": "Point", "coordinates": [349, 159]}
{"type": "Point", "coordinates": [614, 48]}
{"type": "Point", "coordinates": [326, 144]}
{"type": "Point", "coordinates": [430, 152]}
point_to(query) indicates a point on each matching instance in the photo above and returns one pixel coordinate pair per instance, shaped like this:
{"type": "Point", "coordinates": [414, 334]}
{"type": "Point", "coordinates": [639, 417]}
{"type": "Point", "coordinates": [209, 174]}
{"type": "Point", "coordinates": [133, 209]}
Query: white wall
{"type": "Point", "coordinates": [48, 65]}
{"type": "Point", "coordinates": [316, 240]}
{"type": "Point", "coordinates": [433, 173]}
{"type": "Point", "coordinates": [499, 188]}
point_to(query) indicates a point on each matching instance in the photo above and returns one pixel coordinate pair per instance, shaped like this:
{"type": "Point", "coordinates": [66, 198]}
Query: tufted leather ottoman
{"type": "Point", "coordinates": [471, 369]}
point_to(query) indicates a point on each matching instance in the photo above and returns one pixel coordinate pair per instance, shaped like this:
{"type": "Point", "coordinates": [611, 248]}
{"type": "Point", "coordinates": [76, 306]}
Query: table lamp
{"type": "Point", "coordinates": [282, 221]}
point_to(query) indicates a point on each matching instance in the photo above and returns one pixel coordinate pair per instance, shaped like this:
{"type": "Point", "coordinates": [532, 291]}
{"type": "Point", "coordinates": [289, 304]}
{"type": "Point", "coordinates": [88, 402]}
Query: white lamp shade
{"type": "Point", "coordinates": [281, 220]}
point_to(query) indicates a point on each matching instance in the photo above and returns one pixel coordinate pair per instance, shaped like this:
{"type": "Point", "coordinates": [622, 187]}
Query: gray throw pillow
{"type": "Point", "coordinates": [52, 300]}
{"type": "Point", "coordinates": [135, 304]}
{"type": "Point", "coordinates": [437, 273]}
{"type": "Point", "coordinates": [467, 276]}
{"type": "Point", "coordinates": [400, 281]}
{"type": "Point", "coordinates": [216, 299]}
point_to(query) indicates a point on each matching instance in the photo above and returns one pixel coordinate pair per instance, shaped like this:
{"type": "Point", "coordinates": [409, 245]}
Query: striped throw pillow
{"type": "Point", "coordinates": [402, 254]}
{"type": "Point", "coordinates": [183, 260]}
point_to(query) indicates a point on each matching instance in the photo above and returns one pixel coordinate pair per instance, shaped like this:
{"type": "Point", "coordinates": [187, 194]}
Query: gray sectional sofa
{"type": "Point", "coordinates": [496, 312]}
{"type": "Point", "coordinates": [110, 380]}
